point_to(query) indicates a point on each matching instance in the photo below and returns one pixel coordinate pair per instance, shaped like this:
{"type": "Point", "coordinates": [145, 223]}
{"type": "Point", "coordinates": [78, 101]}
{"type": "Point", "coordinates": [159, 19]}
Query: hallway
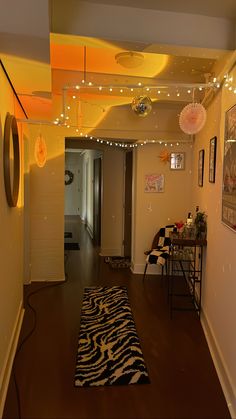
{"type": "Point", "coordinates": [183, 384]}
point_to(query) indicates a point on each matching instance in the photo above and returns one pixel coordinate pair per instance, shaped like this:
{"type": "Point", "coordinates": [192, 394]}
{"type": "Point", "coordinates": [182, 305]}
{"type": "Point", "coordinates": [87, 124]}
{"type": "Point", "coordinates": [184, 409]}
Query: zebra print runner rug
{"type": "Point", "coordinates": [109, 351]}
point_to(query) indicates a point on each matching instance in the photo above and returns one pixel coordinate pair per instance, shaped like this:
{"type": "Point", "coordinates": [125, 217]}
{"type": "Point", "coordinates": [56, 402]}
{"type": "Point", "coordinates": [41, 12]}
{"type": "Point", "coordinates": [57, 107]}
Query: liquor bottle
{"type": "Point", "coordinates": [189, 219]}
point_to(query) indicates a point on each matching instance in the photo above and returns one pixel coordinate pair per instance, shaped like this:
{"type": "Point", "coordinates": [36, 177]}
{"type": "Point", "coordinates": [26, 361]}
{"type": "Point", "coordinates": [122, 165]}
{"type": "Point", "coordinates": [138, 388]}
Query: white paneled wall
{"type": "Point", "coordinates": [47, 208]}
{"type": "Point", "coordinates": [12, 249]}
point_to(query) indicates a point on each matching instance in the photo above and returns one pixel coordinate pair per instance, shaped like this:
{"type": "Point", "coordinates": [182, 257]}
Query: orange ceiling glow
{"type": "Point", "coordinates": [102, 60]}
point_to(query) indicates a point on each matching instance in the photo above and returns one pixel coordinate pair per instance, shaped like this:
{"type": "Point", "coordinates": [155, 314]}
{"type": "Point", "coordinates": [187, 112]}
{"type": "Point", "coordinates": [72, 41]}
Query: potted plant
{"type": "Point", "coordinates": [200, 225]}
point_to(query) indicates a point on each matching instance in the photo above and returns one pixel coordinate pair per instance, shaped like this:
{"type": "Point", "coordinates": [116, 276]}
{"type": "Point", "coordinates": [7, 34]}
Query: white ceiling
{"type": "Point", "coordinates": [225, 9]}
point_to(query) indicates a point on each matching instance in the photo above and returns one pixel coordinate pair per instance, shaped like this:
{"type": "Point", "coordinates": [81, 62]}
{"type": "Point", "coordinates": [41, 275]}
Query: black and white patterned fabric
{"type": "Point", "coordinates": [109, 351]}
{"type": "Point", "coordinates": [161, 253]}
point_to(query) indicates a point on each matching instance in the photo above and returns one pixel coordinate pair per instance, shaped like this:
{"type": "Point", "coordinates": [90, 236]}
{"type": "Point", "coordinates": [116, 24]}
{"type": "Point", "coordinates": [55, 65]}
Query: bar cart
{"type": "Point", "coordinates": [185, 273]}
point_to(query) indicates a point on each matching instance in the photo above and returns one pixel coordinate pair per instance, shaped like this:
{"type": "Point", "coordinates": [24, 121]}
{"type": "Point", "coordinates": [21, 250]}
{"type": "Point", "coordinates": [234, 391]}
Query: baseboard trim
{"type": "Point", "coordinates": [151, 269]}
{"type": "Point", "coordinates": [110, 252]}
{"type": "Point", "coordinates": [46, 280]}
{"type": "Point", "coordinates": [7, 367]}
{"type": "Point", "coordinates": [221, 369]}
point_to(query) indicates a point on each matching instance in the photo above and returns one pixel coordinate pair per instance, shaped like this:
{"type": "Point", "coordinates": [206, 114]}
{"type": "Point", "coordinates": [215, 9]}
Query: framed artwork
{"type": "Point", "coordinates": [229, 170]}
{"type": "Point", "coordinates": [177, 161]}
{"type": "Point", "coordinates": [154, 183]}
{"type": "Point", "coordinates": [200, 167]}
{"type": "Point", "coordinates": [212, 160]}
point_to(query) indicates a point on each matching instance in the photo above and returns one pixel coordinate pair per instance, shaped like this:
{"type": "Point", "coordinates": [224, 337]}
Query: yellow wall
{"type": "Point", "coordinates": [219, 282]}
{"type": "Point", "coordinates": [155, 210]}
{"type": "Point", "coordinates": [112, 206]}
{"type": "Point", "coordinates": [11, 245]}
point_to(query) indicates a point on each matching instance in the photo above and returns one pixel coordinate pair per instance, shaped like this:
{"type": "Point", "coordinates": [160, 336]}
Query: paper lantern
{"type": "Point", "coordinates": [192, 118]}
{"type": "Point", "coordinates": [40, 151]}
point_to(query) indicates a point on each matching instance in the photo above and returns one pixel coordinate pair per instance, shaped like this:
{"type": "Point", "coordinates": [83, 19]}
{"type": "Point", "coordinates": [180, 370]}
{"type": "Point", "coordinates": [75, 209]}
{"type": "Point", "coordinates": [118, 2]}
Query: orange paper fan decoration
{"type": "Point", "coordinates": [164, 156]}
{"type": "Point", "coordinates": [40, 151]}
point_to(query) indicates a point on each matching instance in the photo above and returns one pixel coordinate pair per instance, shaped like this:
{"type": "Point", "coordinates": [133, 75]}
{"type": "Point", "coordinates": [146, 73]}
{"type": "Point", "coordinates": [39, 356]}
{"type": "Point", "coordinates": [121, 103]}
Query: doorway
{"type": "Point", "coordinates": [128, 203]}
{"type": "Point", "coordinates": [73, 198]}
{"type": "Point", "coordinates": [97, 180]}
{"type": "Point", "coordinates": [83, 190]}
{"type": "Point", "coordinates": [102, 201]}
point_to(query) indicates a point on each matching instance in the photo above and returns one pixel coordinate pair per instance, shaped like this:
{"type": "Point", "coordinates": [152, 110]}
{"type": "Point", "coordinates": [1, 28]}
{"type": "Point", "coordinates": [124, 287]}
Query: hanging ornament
{"type": "Point", "coordinates": [192, 118]}
{"type": "Point", "coordinates": [69, 177]}
{"type": "Point", "coordinates": [141, 105]}
{"type": "Point", "coordinates": [164, 156]}
{"type": "Point", "coordinates": [40, 151]}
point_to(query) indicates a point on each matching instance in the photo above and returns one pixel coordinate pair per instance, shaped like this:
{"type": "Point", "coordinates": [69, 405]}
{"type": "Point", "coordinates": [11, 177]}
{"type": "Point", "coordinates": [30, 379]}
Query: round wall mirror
{"type": "Point", "coordinates": [11, 160]}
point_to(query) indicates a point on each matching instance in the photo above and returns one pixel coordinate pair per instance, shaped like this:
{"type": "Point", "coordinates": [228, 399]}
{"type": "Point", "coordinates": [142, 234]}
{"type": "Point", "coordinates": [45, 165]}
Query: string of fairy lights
{"type": "Point", "coordinates": [140, 144]}
{"type": "Point", "coordinates": [160, 91]}
{"type": "Point", "coordinates": [228, 83]}
{"type": "Point", "coordinates": [73, 93]}
{"type": "Point", "coordinates": [105, 141]}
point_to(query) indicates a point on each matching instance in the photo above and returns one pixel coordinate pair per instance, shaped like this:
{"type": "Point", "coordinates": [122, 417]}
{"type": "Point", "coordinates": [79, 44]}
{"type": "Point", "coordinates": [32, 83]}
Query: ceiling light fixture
{"type": "Point", "coordinates": [129, 59]}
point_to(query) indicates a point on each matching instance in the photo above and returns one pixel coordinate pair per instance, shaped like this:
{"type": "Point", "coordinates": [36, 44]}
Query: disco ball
{"type": "Point", "coordinates": [141, 105]}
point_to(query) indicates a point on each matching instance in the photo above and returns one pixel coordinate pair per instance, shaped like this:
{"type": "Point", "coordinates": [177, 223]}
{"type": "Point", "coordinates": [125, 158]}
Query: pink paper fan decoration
{"type": "Point", "coordinates": [192, 118]}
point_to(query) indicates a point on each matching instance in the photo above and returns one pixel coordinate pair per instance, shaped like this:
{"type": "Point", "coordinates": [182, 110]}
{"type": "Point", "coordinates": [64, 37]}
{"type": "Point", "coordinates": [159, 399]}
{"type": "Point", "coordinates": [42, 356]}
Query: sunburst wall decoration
{"type": "Point", "coordinates": [164, 156]}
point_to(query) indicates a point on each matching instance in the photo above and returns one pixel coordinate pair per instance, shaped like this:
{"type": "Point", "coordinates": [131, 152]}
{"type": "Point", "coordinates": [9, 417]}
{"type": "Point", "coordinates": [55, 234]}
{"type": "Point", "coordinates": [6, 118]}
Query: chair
{"type": "Point", "coordinates": [160, 249]}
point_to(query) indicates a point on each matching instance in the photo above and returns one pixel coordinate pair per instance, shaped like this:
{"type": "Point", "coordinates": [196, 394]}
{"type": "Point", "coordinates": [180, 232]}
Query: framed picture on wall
{"type": "Point", "coordinates": [201, 167]}
{"type": "Point", "coordinates": [229, 170]}
{"type": "Point", "coordinates": [212, 160]}
{"type": "Point", "coordinates": [154, 183]}
{"type": "Point", "coordinates": [177, 161]}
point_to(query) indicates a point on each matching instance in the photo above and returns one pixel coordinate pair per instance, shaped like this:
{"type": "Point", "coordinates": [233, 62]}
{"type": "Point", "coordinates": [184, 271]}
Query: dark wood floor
{"type": "Point", "coordinates": [184, 383]}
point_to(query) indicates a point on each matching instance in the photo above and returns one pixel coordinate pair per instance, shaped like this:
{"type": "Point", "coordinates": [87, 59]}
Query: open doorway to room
{"type": "Point", "coordinates": [72, 198]}
{"type": "Point", "coordinates": [97, 200]}
{"type": "Point", "coordinates": [128, 203]}
{"type": "Point", "coordinates": [101, 194]}
{"type": "Point", "coordinates": [83, 186]}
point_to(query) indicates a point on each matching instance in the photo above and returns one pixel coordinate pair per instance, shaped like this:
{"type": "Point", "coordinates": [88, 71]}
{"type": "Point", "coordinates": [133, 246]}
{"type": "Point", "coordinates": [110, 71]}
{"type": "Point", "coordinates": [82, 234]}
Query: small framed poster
{"type": "Point", "coordinates": [212, 160]}
{"type": "Point", "coordinates": [201, 167]}
{"type": "Point", "coordinates": [177, 161]}
{"type": "Point", "coordinates": [154, 183]}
